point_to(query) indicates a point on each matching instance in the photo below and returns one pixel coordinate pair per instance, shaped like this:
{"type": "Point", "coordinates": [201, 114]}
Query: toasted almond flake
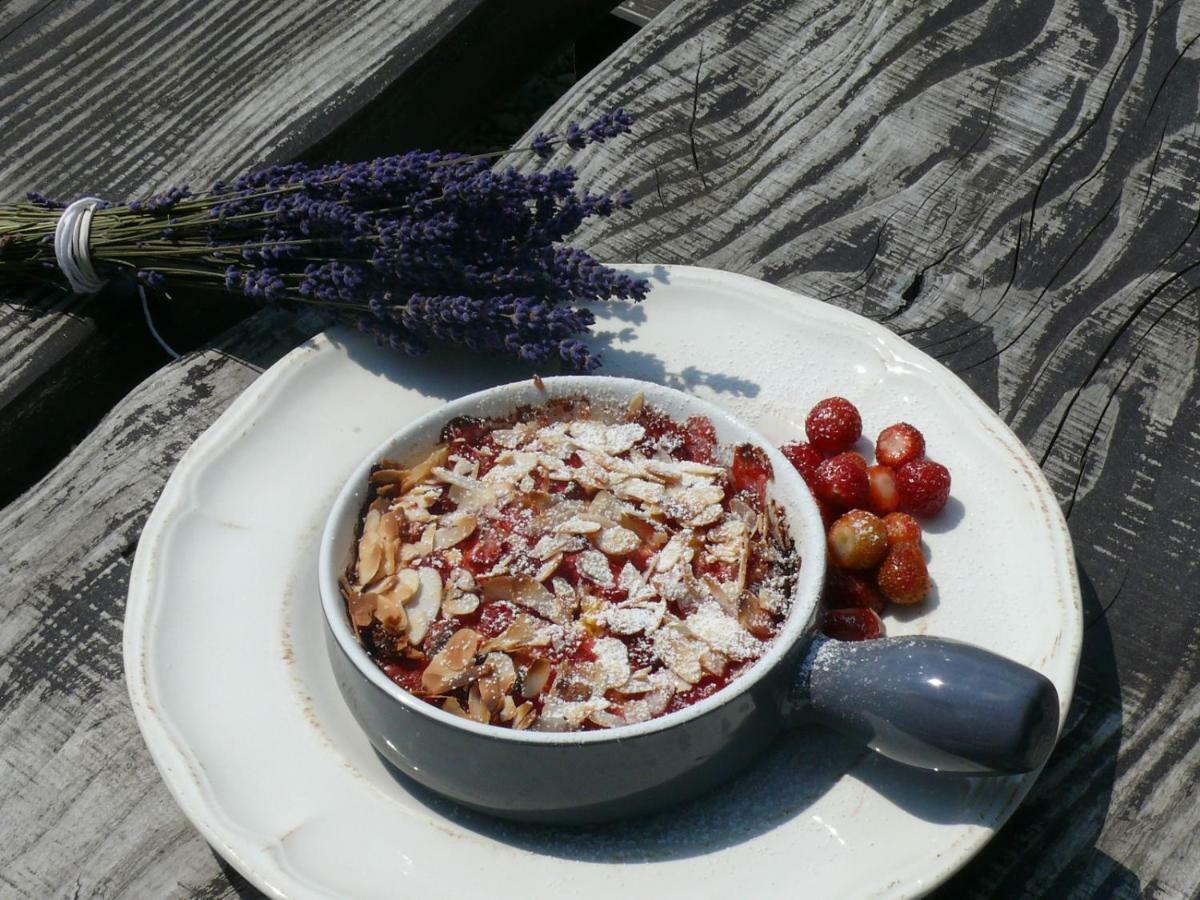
{"type": "Point", "coordinates": [370, 547]}
{"type": "Point", "coordinates": [524, 632]}
{"type": "Point", "coordinates": [498, 678]}
{"type": "Point", "coordinates": [566, 594]}
{"type": "Point", "coordinates": [526, 592]}
{"type": "Point", "coordinates": [455, 479]}
{"type": "Point", "coordinates": [461, 604]}
{"type": "Point", "coordinates": [392, 593]}
{"type": "Point", "coordinates": [548, 568]}
{"type": "Point", "coordinates": [588, 433]}
{"type": "Point", "coordinates": [423, 547]}
{"type": "Point", "coordinates": [508, 710]}
{"type": "Point", "coordinates": [706, 516]}
{"type": "Point", "coordinates": [388, 476]}
{"type": "Point", "coordinates": [535, 678]}
{"type": "Point", "coordinates": [418, 473]}
{"type": "Point", "coordinates": [618, 541]}
{"type": "Point", "coordinates": [451, 663]}
{"type": "Point", "coordinates": [576, 525]}
{"type": "Point", "coordinates": [680, 652]}
{"type": "Point", "coordinates": [636, 402]}
{"type": "Point", "coordinates": [720, 631]}
{"type": "Point", "coordinates": [645, 708]}
{"type": "Point", "coordinates": [612, 663]}
{"type": "Point", "coordinates": [451, 705]}
{"type": "Point", "coordinates": [621, 438]}
{"type": "Point", "coordinates": [714, 662]}
{"type": "Point", "coordinates": [361, 607]}
{"type": "Point", "coordinates": [549, 545]}
{"type": "Point", "coordinates": [593, 565]}
{"type": "Point", "coordinates": [425, 602]}
{"type": "Point", "coordinates": [743, 511]}
{"type": "Point", "coordinates": [567, 715]}
{"type": "Point", "coordinates": [604, 505]}
{"type": "Point", "coordinates": [524, 716]}
{"type": "Point", "coordinates": [476, 707]}
{"type": "Point", "coordinates": [639, 618]}
{"type": "Point", "coordinates": [453, 529]}
{"type": "Point", "coordinates": [606, 719]}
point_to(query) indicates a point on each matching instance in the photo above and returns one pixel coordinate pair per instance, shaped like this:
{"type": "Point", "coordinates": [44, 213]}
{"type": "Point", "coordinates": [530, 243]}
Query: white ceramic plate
{"type": "Point", "coordinates": [227, 668]}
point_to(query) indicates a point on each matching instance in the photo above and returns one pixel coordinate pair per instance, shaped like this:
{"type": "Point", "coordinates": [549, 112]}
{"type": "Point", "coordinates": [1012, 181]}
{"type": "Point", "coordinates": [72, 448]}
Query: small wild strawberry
{"type": "Point", "coordinates": [901, 527]}
{"type": "Point", "coordinates": [857, 458]}
{"type": "Point", "coordinates": [899, 443]}
{"type": "Point", "coordinates": [841, 483]}
{"type": "Point", "coordinates": [833, 425]}
{"type": "Point", "coordinates": [923, 486]}
{"type": "Point", "coordinates": [805, 457]}
{"type": "Point", "coordinates": [846, 589]}
{"type": "Point", "coordinates": [903, 577]}
{"type": "Point", "coordinates": [852, 624]}
{"type": "Point", "coordinates": [882, 490]}
{"type": "Point", "coordinates": [858, 540]}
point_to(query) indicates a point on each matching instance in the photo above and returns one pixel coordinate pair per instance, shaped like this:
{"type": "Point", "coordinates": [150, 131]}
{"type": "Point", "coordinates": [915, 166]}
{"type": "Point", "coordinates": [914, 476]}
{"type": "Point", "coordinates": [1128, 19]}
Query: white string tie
{"type": "Point", "coordinates": [71, 236]}
{"type": "Point", "coordinates": [72, 250]}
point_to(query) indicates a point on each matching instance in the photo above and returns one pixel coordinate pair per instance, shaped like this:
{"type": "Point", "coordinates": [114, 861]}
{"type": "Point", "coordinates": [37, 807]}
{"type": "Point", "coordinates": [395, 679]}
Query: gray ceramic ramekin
{"type": "Point", "coordinates": [924, 701]}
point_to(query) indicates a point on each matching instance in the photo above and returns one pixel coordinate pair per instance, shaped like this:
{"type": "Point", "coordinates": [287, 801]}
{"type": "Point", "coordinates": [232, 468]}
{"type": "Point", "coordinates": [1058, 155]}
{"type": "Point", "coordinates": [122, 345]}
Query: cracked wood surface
{"type": "Point", "coordinates": [1011, 186]}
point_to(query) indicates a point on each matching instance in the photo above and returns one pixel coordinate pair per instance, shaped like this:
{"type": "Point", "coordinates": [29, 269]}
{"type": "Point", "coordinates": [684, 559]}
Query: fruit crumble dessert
{"type": "Point", "coordinates": [571, 567]}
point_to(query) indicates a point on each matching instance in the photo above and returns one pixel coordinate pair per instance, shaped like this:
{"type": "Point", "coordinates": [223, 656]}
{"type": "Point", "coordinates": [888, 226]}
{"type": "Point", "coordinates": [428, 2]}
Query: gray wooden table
{"type": "Point", "coordinates": [1012, 186]}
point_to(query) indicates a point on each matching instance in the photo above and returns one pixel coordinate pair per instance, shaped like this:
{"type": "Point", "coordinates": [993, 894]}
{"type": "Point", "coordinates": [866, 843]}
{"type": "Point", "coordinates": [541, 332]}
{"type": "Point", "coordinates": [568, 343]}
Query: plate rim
{"type": "Point", "coordinates": [169, 752]}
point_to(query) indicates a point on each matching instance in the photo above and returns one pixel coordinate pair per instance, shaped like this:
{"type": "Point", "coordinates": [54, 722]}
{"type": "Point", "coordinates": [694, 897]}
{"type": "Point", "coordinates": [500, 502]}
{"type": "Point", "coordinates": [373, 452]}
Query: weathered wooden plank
{"type": "Point", "coordinates": [84, 813]}
{"type": "Point", "coordinates": [640, 12]}
{"type": "Point", "coordinates": [119, 100]}
{"type": "Point", "coordinates": [1008, 184]}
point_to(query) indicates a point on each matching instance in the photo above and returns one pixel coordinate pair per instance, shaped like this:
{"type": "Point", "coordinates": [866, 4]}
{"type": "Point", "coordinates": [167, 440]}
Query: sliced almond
{"type": "Point", "coordinates": [461, 604]}
{"type": "Point", "coordinates": [548, 568]}
{"type": "Point", "coordinates": [360, 606]}
{"type": "Point", "coordinates": [425, 602]}
{"type": "Point", "coordinates": [423, 547]}
{"type": "Point", "coordinates": [391, 595]}
{"type": "Point", "coordinates": [453, 529]}
{"type": "Point", "coordinates": [448, 666]}
{"type": "Point", "coordinates": [370, 547]}
{"type": "Point", "coordinates": [451, 705]}
{"type": "Point", "coordinates": [640, 490]}
{"type": "Point", "coordinates": [535, 678]}
{"type": "Point", "coordinates": [498, 677]}
{"type": "Point", "coordinates": [593, 565]}
{"type": "Point", "coordinates": [476, 708]}
{"type": "Point", "coordinates": [508, 710]}
{"type": "Point", "coordinates": [422, 470]}
{"type": "Point", "coordinates": [388, 476]}
{"type": "Point", "coordinates": [636, 402]}
{"type": "Point", "coordinates": [576, 525]}
{"type": "Point", "coordinates": [524, 716]}
{"type": "Point", "coordinates": [680, 652]}
{"type": "Point", "coordinates": [527, 592]}
{"type": "Point", "coordinates": [524, 632]}
{"type": "Point", "coordinates": [618, 541]}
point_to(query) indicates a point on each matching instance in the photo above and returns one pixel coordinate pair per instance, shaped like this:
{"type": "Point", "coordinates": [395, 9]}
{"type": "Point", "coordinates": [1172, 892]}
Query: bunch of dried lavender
{"type": "Point", "coordinates": [411, 248]}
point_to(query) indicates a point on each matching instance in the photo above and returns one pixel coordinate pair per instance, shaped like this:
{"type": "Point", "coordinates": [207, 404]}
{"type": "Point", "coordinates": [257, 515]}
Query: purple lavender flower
{"type": "Point", "coordinates": [413, 249]}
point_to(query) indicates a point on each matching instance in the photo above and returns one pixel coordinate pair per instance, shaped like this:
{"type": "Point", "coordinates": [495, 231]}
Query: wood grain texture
{"type": "Point", "coordinates": [84, 812]}
{"type": "Point", "coordinates": [1012, 186]}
